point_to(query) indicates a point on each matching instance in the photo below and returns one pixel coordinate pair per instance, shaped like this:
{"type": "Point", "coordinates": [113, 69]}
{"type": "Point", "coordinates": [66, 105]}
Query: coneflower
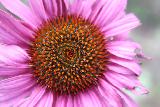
{"type": "Point", "coordinates": [63, 53]}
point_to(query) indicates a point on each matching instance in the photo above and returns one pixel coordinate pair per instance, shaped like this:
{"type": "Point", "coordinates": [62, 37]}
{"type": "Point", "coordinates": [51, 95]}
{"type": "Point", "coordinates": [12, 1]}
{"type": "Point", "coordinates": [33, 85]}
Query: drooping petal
{"type": "Point", "coordinates": [127, 101]}
{"type": "Point", "coordinates": [61, 101]}
{"type": "Point", "coordinates": [76, 101]}
{"type": "Point", "coordinates": [46, 101]}
{"type": "Point", "coordinates": [89, 99]}
{"type": "Point", "coordinates": [130, 82]}
{"type": "Point", "coordinates": [14, 82]}
{"type": "Point", "coordinates": [109, 94]}
{"type": "Point", "coordinates": [70, 101]}
{"type": "Point", "coordinates": [122, 37]}
{"type": "Point", "coordinates": [108, 14]}
{"type": "Point", "coordinates": [22, 11]}
{"type": "Point", "coordinates": [97, 100]}
{"type": "Point", "coordinates": [13, 60]}
{"type": "Point", "coordinates": [131, 65]}
{"type": "Point", "coordinates": [123, 49]}
{"type": "Point", "coordinates": [12, 31]}
{"type": "Point", "coordinates": [7, 37]}
{"type": "Point", "coordinates": [122, 25]}
{"type": "Point", "coordinates": [119, 69]}
{"type": "Point", "coordinates": [34, 98]}
{"type": "Point", "coordinates": [12, 70]}
{"type": "Point", "coordinates": [122, 81]}
{"type": "Point", "coordinates": [12, 54]}
{"type": "Point", "coordinates": [38, 8]}
{"type": "Point", "coordinates": [102, 100]}
{"type": "Point", "coordinates": [15, 88]}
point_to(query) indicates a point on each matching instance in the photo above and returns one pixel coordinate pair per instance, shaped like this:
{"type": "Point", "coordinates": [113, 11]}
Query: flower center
{"type": "Point", "coordinates": [68, 55]}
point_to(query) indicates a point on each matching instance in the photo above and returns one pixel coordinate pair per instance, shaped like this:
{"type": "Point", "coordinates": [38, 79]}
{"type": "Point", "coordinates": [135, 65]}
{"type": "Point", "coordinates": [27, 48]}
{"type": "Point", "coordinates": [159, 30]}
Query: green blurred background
{"type": "Point", "coordinates": [148, 35]}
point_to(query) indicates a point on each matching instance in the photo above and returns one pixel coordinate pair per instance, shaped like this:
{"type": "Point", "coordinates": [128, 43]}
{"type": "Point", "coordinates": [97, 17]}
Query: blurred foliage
{"type": "Point", "coordinates": [148, 35]}
{"type": "Point", "coordinates": [146, 10]}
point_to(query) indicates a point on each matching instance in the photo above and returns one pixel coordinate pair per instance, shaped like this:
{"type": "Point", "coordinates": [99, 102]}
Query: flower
{"type": "Point", "coordinates": [65, 53]}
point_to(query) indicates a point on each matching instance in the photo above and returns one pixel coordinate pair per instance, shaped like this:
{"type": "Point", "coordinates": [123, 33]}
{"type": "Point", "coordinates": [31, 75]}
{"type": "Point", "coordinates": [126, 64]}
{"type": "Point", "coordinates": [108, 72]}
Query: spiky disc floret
{"type": "Point", "coordinates": [68, 54]}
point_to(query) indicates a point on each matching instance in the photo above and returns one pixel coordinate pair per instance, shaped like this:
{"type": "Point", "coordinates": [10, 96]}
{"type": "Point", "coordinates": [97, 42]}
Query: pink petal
{"type": "Point", "coordinates": [34, 98]}
{"type": "Point", "coordinates": [130, 82]}
{"type": "Point", "coordinates": [12, 55]}
{"type": "Point", "coordinates": [38, 8]}
{"type": "Point", "coordinates": [109, 94]}
{"type": "Point", "coordinates": [7, 37]}
{"type": "Point", "coordinates": [59, 7]}
{"type": "Point", "coordinates": [11, 102]}
{"type": "Point", "coordinates": [131, 65]}
{"type": "Point", "coordinates": [119, 69]}
{"type": "Point", "coordinates": [89, 99]}
{"type": "Point", "coordinates": [20, 32]}
{"type": "Point", "coordinates": [48, 6]}
{"type": "Point", "coordinates": [102, 99]}
{"type": "Point", "coordinates": [122, 36]}
{"type": "Point", "coordinates": [76, 7]}
{"type": "Point", "coordinates": [119, 52]}
{"type": "Point", "coordinates": [86, 100]}
{"type": "Point", "coordinates": [96, 7]}
{"type": "Point", "coordinates": [95, 98]}
{"type": "Point", "coordinates": [55, 7]}
{"type": "Point", "coordinates": [122, 81]}
{"type": "Point", "coordinates": [124, 43]}
{"type": "Point", "coordinates": [12, 70]}
{"type": "Point", "coordinates": [79, 7]}
{"type": "Point", "coordinates": [123, 25]}
{"type": "Point", "coordinates": [46, 100]}
{"type": "Point", "coordinates": [14, 82]}
{"type": "Point", "coordinates": [123, 49]}
{"type": "Point", "coordinates": [70, 101]}
{"type": "Point", "coordinates": [14, 87]}
{"type": "Point", "coordinates": [116, 11]}
{"type": "Point", "coordinates": [61, 101]}
{"type": "Point", "coordinates": [87, 8]}
{"type": "Point", "coordinates": [112, 10]}
{"type": "Point", "coordinates": [127, 100]}
{"type": "Point", "coordinates": [76, 101]}
{"type": "Point", "coordinates": [14, 36]}
{"type": "Point", "coordinates": [13, 61]}
{"type": "Point", "coordinates": [22, 11]}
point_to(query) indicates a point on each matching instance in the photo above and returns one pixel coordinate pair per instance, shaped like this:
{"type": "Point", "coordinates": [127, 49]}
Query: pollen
{"type": "Point", "coordinates": [68, 55]}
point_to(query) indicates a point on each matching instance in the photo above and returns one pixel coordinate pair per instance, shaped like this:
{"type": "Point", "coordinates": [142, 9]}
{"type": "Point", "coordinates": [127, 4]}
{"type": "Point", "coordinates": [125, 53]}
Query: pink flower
{"type": "Point", "coordinates": [68, 53]}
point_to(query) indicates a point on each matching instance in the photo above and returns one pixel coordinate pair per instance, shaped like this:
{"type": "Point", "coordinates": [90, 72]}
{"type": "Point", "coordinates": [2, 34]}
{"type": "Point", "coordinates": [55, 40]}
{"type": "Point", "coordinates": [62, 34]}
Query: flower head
{"type": "Point", "coordinates": [65, 53]}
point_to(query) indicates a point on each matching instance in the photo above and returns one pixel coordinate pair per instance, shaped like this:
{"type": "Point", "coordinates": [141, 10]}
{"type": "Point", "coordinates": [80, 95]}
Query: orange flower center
{"type": "Point", "coordinates": [68, 55]}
